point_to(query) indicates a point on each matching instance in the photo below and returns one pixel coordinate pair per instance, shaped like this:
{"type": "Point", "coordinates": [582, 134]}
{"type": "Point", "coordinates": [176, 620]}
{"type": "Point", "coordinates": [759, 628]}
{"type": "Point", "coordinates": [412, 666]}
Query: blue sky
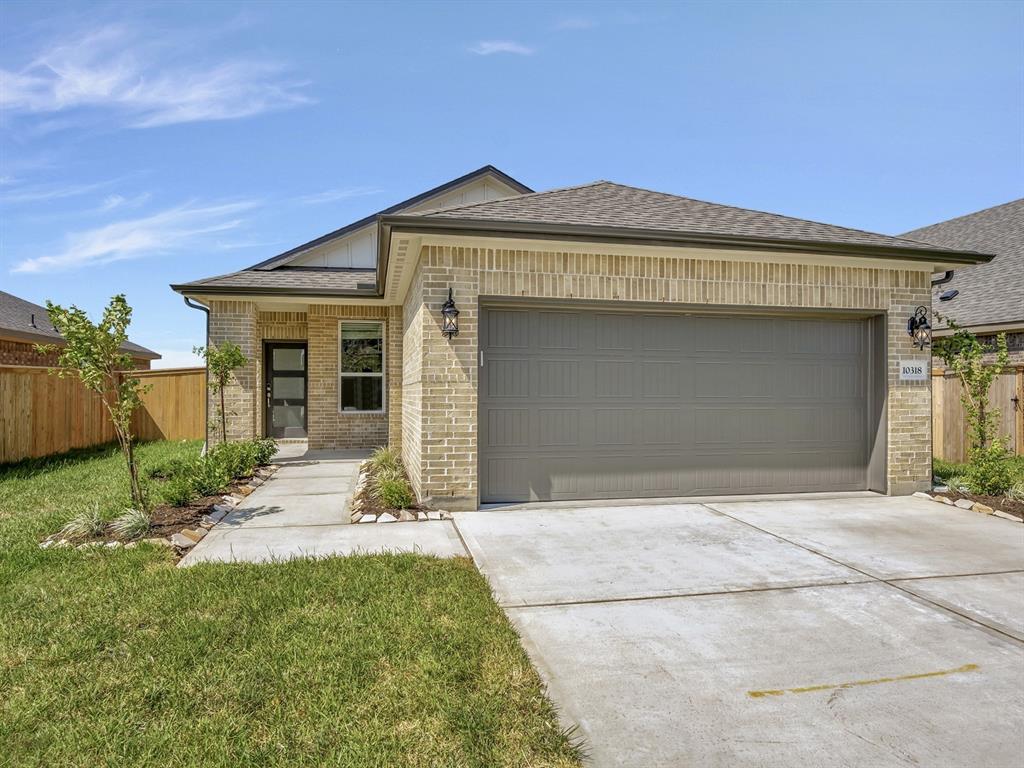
{"type": "Point", "coordinates": [144, 144]}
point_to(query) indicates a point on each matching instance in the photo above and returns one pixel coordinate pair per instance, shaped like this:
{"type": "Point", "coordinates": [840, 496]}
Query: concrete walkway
{"type": "Point", "coordinates": [857, 631]}
{"type": "Point", "coordinates": [302, 512]}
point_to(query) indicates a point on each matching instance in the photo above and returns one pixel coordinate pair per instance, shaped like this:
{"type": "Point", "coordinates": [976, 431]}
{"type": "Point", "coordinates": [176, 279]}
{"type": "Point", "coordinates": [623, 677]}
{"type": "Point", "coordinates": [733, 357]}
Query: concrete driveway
{"type": "Point", "coordinates": [852, 631]}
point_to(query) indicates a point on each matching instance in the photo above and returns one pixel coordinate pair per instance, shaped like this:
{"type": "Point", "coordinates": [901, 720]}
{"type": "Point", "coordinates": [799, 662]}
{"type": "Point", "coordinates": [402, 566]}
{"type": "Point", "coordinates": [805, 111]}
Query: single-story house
{"type": "Point", "coordinates": [611, 342]}
{"type": "Point", "coordinates": [987, 299]}
{"type": "Point", "coordinates": [23, 325]}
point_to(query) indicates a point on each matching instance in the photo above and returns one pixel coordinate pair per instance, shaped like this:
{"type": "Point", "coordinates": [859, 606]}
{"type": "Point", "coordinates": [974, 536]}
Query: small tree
{"type": "Point", "coordinates": [222, 362]}
{"type": "Point", "coordinates": [963, 353]}
{"type": "Point", "coordinates": [92, 352]}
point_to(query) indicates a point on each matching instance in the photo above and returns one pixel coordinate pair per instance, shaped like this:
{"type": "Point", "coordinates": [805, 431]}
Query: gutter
{"type": "Point", "coordinates": [639, 236]}
{"type": "Point", "coordinates": [185, 288]}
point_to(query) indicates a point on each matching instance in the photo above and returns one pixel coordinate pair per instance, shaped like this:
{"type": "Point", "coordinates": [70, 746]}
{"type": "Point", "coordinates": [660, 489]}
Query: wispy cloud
{"type": "Point", "coordinates": [114, 202]}
{"type": "Point", "coordinates": [491, 47]}
{"type": "Point", "coordinates": [333, 195]}
{"type": "Point", "coordinates": [575, 22]}
{"type": "Point", "coordinates": [117, 68]}
{"type": "Point", "coordinates": [165, 232]}
{"type": "Point", "coordinates": [39, 193]}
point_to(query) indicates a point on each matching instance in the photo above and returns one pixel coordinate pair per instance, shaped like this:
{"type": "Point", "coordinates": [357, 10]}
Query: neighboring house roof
{"type": "Point", "coordinates": [601, 210]}
{"type": "Point", "coordinates": [992, 293]}
{"type": "Point", "coordinates": [25, 321]}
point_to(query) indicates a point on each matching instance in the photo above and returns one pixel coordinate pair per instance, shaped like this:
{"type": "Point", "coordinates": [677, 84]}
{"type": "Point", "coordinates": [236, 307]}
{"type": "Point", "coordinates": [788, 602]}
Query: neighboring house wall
{"type": "Point", "coordinates": [24, 353]}
{"type": "Point", "coordinates": [1014, 345]}
{"type": "Point", "coordinates": [441, 428]}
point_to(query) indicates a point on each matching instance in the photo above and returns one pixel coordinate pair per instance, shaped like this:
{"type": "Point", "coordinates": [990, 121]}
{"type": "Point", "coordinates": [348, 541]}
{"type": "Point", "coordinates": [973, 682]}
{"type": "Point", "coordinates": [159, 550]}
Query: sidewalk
{"type": "Point", "coordinates": [301, 512]}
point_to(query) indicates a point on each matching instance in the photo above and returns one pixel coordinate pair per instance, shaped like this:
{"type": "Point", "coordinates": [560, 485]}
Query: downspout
{"type": "Point", "coordinates": [206, 394]}
{"type": "Point", "coordinates": [946, 277]}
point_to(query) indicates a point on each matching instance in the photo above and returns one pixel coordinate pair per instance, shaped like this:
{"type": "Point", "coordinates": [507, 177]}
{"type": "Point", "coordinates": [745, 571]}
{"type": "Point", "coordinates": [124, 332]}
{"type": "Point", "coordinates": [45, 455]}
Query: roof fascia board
{"type": "Point", "coordinates": [366, 221]}
{"type": "Point", "coordinates": [426, 225]}
{"type": "Point", "coordinates": [201, 290]}
{"type": "Point", "coordinates": [1000, 327]}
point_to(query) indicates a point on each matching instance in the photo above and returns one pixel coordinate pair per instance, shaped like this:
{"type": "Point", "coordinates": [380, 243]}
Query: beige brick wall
{"type": "Point", "coordinates": [236, 321]}
{"type": "Point", "coordinates": [440, 429]}
{"type": "Point", "coordinates": [328, 427]}
{"type": "Point", "coordinates": [242, 323]}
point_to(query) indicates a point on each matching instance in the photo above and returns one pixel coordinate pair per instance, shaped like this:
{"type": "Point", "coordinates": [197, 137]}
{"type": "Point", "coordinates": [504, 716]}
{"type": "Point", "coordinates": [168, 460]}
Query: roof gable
{"type": "Point", "coordinates": [360, 236]}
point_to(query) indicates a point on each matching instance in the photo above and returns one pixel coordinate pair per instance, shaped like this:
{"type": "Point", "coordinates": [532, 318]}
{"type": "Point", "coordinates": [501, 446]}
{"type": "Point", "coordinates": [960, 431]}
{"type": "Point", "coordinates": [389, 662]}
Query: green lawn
{"type": "Point", "coordinates": [118, 658]}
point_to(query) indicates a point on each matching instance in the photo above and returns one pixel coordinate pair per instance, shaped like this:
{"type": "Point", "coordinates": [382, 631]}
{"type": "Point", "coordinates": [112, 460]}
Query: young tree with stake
{"type": "Point", "coordinates": [93, 353]}
{"type": "Point", "coordinates": [221, 363]}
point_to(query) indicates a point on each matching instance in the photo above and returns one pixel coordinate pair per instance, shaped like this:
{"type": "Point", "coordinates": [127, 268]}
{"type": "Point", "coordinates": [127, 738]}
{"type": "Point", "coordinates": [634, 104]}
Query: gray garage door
{"type": "Point", "coordinates": [589, 404]}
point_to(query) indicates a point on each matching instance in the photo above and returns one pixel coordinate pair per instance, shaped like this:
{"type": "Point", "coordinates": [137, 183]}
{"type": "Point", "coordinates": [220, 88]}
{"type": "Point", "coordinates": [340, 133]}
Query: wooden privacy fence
{"type": "Point", "coordinates": [949, 427]}
{"type": "Point", "coordinates": [42, 414]}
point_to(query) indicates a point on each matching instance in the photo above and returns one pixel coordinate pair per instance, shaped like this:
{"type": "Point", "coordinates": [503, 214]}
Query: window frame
{"type": "Point", "coordinates": [383, 367]}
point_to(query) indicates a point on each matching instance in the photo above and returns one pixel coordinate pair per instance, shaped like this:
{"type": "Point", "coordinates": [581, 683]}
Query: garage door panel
{"type": "Point", "coordinates": [605, 404]}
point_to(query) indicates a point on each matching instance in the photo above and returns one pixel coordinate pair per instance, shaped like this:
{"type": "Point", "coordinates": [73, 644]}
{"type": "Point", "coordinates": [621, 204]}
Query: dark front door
{"type": "Point", "coordinates": [285, 389]}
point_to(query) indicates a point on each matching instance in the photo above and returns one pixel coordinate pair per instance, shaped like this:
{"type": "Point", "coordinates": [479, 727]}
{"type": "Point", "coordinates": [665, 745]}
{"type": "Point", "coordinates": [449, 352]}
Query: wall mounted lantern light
{"type": "Point", "coordinates": [449, 317]}
{"type": "Point", "coordinates": [919, 329]}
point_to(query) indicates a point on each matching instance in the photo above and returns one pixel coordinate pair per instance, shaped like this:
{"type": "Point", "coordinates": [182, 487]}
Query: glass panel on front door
{"type": "Point", "coordinates": [285, 390]}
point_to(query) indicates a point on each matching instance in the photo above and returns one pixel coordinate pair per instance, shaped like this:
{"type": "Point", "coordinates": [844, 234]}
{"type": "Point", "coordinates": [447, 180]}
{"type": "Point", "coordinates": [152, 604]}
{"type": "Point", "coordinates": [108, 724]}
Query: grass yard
{"type": "Point", "coordinates": [119, 658]}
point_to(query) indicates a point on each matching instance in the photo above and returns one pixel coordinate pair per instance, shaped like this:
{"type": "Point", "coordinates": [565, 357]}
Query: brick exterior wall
{"type": "Point", "coordinates": [236, 321]}
{"type": "Point", "coordinates": [24, 353]}
{"type": "Point", "coordinates": [329, 427]}
{"type": "Point", "coordinates": [440, 430]}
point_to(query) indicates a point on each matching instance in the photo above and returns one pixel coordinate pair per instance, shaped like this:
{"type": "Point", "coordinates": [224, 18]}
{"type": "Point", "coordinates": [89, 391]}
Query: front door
{"type": "Point", "coordinates": [285, 389]}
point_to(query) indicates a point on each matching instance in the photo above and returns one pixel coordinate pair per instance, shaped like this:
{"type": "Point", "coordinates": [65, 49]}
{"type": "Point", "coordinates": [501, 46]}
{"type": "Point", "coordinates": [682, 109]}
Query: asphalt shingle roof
{"type": "Point", "coordinates": [16, 315]}
{"type": "Point", "coordinates": [989, 293]}
{"type": "Point", "coordinates": [294, 279]}
{"type": "Point", "coordinates": [606, 204]}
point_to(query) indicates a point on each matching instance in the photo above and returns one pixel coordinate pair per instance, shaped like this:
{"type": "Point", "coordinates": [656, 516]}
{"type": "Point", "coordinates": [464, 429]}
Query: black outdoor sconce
{"type": "Point", "coordinates": [449, 318]}
{"type": "Point", "coordinates": [919, 329]}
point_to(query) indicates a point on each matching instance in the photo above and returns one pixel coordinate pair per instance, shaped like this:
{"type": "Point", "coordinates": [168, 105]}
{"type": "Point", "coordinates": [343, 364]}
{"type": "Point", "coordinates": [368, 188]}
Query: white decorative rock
{"type": "Point", "coordinates": [196, 534]}
{"type": "Point", "coordinates": [421, 516]}
{"type": "Point", "coordinates": [984, 509]}
{"type": "Point", "coordinates": [922, 495]}
{"type": "Point", "coordinates": [182, 542]}
{"type": "Point", "coordinates": [46, 544]}
{"type": "Point", "coordinates": [446, 515]}
{"type": "Point", "coordinates": [406, 516]}
{"type": "Point", "coordinates": [368, 519]}
{"type": "Point", "coordinates": [1006, 516]}
{"type": "Point", "coordinates": [946, 500]}
{"type": "Point", "coordinates": [157, 541]}
{"type": "Point", "coordinates": [387, 517]}
{"type": "Point", "coordinates": [433, 514]}
{"type": "Point", "coordinates": [114, 545]}
{"type": "Point", "coordinates": [131, 545]}
{"type": "Point", "coordinates": [964, 503]}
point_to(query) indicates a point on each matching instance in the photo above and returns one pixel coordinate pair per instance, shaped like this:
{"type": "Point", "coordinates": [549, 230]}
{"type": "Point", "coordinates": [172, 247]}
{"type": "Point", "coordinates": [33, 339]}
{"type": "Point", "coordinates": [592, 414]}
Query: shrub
{"type": "Point", "coordinates": [394, 493]}
{"type": "Point", "coordinates": [990, 472]}
{"type": "Point", "coordinates": [88, 523]}
{"type": "Point", "coordinates": [178, 491]}
{"type": "Point", "coordinates": [389, 473]}
{"type": "Point", "coordinates": [207, 476]}
{"type": "Point", "coordinates": [944, 469]}
{"type": "Point", "coordinates": [131, 524]}
{"type": "Point", "coordinates": [1016, 493]}
{"type": "Point", "coordinates": [959, 483]}
{"type": "Point", "coordinates": [236, 459]}
{"type": "Point", "coordinates": [167, 469]}
{"type": "Point", "coordinates": [384, 458]}
{"type": "Point", "coordinates": [264, 450]}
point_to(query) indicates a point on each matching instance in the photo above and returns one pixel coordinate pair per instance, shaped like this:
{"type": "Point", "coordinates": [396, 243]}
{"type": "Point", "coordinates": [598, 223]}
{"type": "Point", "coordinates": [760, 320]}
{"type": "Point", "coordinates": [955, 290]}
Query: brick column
{"type": "Point", "coordinates": [236, 321]}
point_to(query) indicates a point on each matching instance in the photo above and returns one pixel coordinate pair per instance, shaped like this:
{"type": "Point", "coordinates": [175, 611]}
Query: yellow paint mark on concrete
{"type": "Point", "coordinates": [854, 683]}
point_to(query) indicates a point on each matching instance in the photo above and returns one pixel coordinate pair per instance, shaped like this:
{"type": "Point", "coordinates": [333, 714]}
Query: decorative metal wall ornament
{"type": "Point", "coordinates": [449, 318]}
{"type": "Point", "coordinates": [919, 329]}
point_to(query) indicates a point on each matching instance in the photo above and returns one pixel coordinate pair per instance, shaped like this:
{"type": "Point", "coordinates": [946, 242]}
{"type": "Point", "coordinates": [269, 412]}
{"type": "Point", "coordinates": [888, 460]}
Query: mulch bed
{"type": "Point", "coordinates": [1009, 506]}
{"type": "Point", "coordinates": [168, 520]}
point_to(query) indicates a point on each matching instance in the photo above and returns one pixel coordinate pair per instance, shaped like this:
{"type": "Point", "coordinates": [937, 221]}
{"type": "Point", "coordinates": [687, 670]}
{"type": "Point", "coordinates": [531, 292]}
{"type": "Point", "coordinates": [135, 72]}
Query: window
{"type": "Point", "coordinates": [361, 367]}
